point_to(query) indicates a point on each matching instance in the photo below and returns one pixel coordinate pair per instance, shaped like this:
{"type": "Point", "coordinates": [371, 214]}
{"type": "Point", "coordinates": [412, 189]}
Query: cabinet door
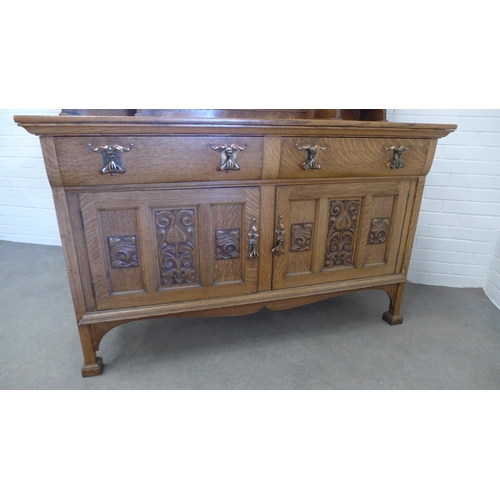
{"type": "Point", "coordinates": [160, 246]}
{"type": "Point", "coordinates": [340, 231]}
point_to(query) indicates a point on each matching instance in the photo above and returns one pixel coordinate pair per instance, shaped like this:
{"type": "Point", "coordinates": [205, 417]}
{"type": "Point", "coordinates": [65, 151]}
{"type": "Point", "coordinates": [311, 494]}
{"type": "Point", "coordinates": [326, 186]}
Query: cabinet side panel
{"type": "Point", "coordinates": [50, 160]}
{"type": "Point", "coordinates": [415, 211]}
{"type": "Point", "coordinates": [70, 252]}
{"type": "Point", "coordinates": [76, 219]}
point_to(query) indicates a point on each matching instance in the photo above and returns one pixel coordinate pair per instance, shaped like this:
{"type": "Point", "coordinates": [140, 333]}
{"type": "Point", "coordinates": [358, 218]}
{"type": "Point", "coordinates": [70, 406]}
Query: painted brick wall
{"type": "Point", "coordinates": [459, 224]}
{"type": "Point", "coordinates": [457, 242]}
{"type": "Point", "coordinates": [26, 207]}
{"type": "Point", "coordinates": [492, 284]}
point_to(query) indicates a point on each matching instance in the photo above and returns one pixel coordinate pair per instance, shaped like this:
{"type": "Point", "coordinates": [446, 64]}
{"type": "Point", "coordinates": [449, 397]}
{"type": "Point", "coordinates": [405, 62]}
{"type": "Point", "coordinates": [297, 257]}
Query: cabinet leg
{"type": "Point", "coordinates": [93, 364]}
{"type": "Point", "coordinates": [393, 315]}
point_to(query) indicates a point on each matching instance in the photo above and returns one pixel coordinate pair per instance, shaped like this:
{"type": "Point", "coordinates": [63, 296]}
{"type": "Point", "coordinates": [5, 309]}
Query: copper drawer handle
{"type": "Point", "coordinates": [396, 156]}
{"type": "Point", "coordinates": [253, 240]}
{"type": "Point", "coordinates": [112, 157]}
{"type": "Point", "coordinates": [228, 154]}
{"type": "Point", "coordinates": [280, 237]}
{"type": "Point", "coordinates": [311, 156]}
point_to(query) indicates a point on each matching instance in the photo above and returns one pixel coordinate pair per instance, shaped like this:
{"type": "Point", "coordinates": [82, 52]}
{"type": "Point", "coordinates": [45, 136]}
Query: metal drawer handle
{"type": "Point", "coordinates": [280, 237]}
{"type": "Point", "coordinates": [112, 157]}
{"type": "Point", "coordinates": [396, 156]}
{"type": "Point", "coordinates": [228, 156]}
{"type": "Point", "coordinates": [311, 156]}
{"type": "Point", "coordinates": [253, 240]}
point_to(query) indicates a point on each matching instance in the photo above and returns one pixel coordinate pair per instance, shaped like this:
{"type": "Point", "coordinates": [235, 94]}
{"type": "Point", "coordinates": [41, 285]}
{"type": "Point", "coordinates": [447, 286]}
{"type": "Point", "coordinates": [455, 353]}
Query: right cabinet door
{"type": "Point", "coordinates": [338, 231]}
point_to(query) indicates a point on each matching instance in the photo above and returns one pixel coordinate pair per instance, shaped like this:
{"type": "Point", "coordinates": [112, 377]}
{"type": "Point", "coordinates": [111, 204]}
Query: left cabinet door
{"type": "Point", "coordinates": [159, 246]}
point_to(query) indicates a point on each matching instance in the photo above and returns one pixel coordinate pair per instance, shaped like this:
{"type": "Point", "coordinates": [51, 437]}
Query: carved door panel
{"type": "Point", "coordinates": [160, 246]}
{"type": "Point", "coordinates": [336, 232]}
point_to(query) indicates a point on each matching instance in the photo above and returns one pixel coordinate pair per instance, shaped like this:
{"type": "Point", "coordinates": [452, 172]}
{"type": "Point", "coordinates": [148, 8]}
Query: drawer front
{"type": "Point", "coordinates": [351, 157]}
{"type": "Point", "coordinates": [157, 159]}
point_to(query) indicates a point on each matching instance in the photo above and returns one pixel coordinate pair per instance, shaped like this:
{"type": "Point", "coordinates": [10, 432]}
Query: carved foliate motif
{"type": "Point", "coordinates": [300, 239]}
{"type": "Point", "coordinates": [227, 244]}
{"type": "Point", "coordinates": [123, 251]}
{"type": "Point", "coordinates": [378, 231]}
{"type": "Point", "coordinates": [342, 227]}
{"type": "Point", "coordinates": [176, 234]}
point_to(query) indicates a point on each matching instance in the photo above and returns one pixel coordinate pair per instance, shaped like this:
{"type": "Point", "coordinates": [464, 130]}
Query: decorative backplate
{"type": "Point", "coordinates": [112, 157]}
{"type": "Point", "coordinates": [342, 232]}
{"type": "Point", "coordinates": [253, 240]}
{"type": "Point", "coordinates": [227, 244]}
{"type": "Point", "coordinates": [228, 155]}
{"type": "Point", "coordinates": [123, 251]}
{"type": "Point", "coordinates": [280, 237]}
{"type": "Point", "coordinates": [311, 156]}
{"type": "Point", "coordinates": [300, 239]}
{"type": "Point", "coordinates": [176, 246]}
{"type": "Point", "coordinates": [396, 160]}
{"type": "Point", "coordinates": [378, 231]}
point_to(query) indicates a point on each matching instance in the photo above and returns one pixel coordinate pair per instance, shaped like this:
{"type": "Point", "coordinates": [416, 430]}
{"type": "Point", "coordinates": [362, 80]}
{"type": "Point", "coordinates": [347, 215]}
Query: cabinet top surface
{"type": "Point", "coordinates": [157, 125]}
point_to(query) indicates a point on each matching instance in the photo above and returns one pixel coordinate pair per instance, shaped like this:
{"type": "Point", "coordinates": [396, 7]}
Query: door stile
{"type": "Point", "coordinates": [366, 210]}
{"type": "Point", "coordinates": [94, 237]}
{"type": "Point", "coordinates": [146, 249]}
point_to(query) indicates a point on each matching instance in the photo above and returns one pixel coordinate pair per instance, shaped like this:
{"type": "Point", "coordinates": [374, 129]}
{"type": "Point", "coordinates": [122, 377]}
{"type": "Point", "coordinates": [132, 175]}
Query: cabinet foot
{"type": "Point", "coordinates": [93, 369]}
{"type": "Point", "coordinates": [393, 315]}
{"type": "Point", "coordinates": [392, 319]}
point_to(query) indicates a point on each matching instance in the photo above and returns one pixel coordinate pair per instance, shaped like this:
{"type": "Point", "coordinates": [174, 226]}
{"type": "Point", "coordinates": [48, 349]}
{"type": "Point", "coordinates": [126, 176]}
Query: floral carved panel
{"type": "Point", "coordinates": [342, 230]}
{"type": "Point", "coordinates": [176, 233]}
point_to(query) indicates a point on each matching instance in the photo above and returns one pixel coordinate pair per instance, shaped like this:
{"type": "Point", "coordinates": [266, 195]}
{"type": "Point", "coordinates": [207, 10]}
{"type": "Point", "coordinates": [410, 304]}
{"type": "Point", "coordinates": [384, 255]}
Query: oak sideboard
{"type": "Point", "coordinates": [193, 216]}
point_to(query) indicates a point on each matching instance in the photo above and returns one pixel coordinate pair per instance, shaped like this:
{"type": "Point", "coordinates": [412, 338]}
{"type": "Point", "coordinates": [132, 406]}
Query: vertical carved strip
{"type": "Point", "coordinates": [176, 246]}
{"type": "Point", "coordinates": [342, 228]}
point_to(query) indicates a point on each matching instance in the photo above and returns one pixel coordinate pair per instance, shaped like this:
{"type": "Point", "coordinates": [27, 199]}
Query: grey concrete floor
{"type": "Point", "coordinates": [450, 339]}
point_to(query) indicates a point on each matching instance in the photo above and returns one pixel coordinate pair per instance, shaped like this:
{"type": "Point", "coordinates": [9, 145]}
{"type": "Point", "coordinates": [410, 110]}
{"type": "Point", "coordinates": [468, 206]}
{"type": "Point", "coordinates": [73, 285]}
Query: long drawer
{"type": "Point", "coordinates": [352, 157]}
{"type": "Point", "coordinates": [157, 159]}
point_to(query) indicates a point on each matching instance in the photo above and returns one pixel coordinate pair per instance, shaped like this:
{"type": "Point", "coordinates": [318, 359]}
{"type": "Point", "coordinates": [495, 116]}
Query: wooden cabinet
{"type": "Point", "coordinates": [172, 216]}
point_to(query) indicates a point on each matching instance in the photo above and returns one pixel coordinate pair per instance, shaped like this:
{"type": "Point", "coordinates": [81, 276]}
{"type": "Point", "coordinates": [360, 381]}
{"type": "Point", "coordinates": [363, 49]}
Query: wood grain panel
{"type": "Point", "coordinates": [157, 159]}
{"type": "Point", "coordinates": [353, 157]}
{"type": "Point", "coordinates": [51, 161]}
{"type": "Point", "coordinates": [96, 253]}
{"type": "Point", "coordinates": [272, 154]}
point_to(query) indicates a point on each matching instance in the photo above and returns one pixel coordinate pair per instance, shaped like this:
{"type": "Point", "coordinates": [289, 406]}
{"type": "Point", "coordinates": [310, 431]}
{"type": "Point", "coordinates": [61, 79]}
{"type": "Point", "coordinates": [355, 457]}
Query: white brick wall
{"type": "Point", "coordinates": [459, 225]}
{"type": "Point", "coordinates": [26, 207]}
{"type": "Point", "coordinates": [458, 236]}
{"type": "Point", "coordinates": [492, 285]}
